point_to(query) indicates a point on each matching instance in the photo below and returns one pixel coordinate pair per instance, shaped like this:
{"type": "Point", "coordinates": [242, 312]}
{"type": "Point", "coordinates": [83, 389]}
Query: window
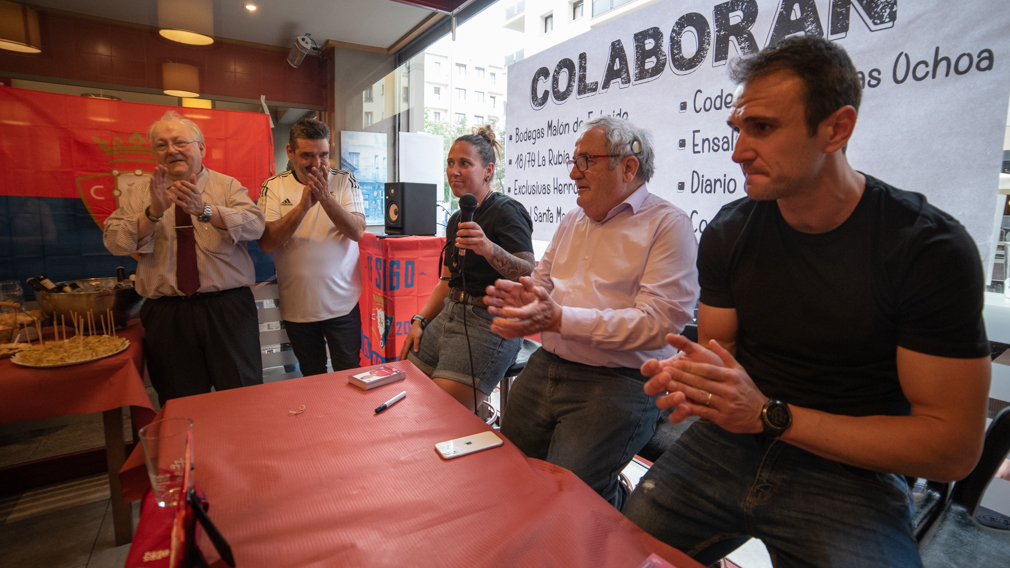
{"type": "Point", "coordinates": [438, 93]}
{"type": "Point", "coordinates": [461, 69]}
{"type": "Point", "coordinates": [406, 94]}
{"type": "Point", "coordinates": [492, 101]}
{"type": "Point", "coordinates": [460, 117]}
{"type": "Point", "coordinates": [438, 116]}
{"type": "Point", "coordinates": [368, 95]}
{"type": "Point", "coordinates": [492, 78]}
{"type": "Point", "coordinates": [382, 90]}
{"type": "Point", "coordinates": [368, 119]}
{"type": "Point", "coordinates": [480, 72]}
{"type": "Point", "coordinates": [548, 23]}
{"type": "Point", "coordinates": [478, 119]}
{"type": "Point", "coordinates": [577, 8]}
{"type": "Point", "coordinates": [461, 94]}
{"type": "Point", "coordinates": [438, 67]}
{"type": "Point", "coordinates": [603, 6]}
{"type": "Point", "coordinates": [479, 95]}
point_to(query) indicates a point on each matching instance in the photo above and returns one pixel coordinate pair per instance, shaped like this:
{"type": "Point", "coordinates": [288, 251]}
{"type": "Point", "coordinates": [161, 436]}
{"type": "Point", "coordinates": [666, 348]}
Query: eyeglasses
{"type": "Point", "coordinates": [180, 145]}
{"type": "Point", "coordinates": [582, 162]}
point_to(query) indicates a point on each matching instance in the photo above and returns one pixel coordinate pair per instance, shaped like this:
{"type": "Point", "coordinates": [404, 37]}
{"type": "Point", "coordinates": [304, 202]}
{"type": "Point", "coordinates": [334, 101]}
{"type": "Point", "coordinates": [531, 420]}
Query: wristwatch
{"type": "Point", "coordinates": [776, 418]}
{"type": "Point", "coordinates": [420, 318]}
{"type": "Point", "coordinates": [147, 213]}
{"type": "Point", "coordinates": [208, 211]}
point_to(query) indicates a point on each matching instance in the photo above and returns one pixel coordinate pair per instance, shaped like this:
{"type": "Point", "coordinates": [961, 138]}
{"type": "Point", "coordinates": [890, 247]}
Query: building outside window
{"type": "Point", "coordinates": [460, 117]}
{"type": "Point", "coordinates": [368, 119]}
{"type": "Point", "coordinates": [438, 67]}
{"type": "Point", "coordinates": [577, 9]}
{"type": "Point", "coordinates": [480, 72]}
{"type": "Point", "coordinates": [368, 94]}
{"type": "Point", "coordinates": [460, 69]}
{"type": "Point", "coordinates": [492, 78]}
{"type": "Point", "coordinates": [492, 101]}
{"type": "Point", "coordinates": [479, 96]}
{"type": "Point", "coordinates": [438, 93]}
{"type": "Point", "coordinates": [461, 94]}
{"type": "Point", "coordinates": [438, 116]}
{"type": "Point", "coordinates": [548, 23]}
{"type": "Point", "coordinates": [478, 119]}
{"type": "Point", "coordinates": [604, 6]}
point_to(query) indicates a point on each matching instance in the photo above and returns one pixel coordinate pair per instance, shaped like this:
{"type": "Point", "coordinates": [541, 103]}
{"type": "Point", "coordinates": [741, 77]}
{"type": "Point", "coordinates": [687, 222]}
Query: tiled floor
{"type": "Point", "coordinates": [67, 525]}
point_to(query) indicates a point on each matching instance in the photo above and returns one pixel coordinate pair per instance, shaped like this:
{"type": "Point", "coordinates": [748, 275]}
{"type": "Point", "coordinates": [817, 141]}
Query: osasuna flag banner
{"type": "Point", "coordinates": [64, 159]}
{"type": "Point", "coordinates": [933, 116]}
{"type": "Point", "coordinates": [92, 149]}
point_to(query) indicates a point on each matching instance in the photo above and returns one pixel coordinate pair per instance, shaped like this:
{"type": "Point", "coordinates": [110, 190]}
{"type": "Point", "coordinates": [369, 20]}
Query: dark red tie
{"type": "Point", "coordinates": [186, 272]}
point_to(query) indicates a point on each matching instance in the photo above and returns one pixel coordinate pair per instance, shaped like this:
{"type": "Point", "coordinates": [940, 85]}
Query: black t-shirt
{"type": "Point", "coordinates": [506, 223]}
{"type": "Point", "coordinates": [820, 316]}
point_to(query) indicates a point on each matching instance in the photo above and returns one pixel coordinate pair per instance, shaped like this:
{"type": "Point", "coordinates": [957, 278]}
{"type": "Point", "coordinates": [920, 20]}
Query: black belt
{"type": "Point", "coordinates": [457, 295]}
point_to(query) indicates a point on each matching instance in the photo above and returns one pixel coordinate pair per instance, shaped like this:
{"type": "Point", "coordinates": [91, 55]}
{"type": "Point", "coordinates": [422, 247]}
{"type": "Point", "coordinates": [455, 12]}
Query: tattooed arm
{"type": "Point", "coordinates": [470, 236]}
{"type": "Point", "coordinates": [512, 266]}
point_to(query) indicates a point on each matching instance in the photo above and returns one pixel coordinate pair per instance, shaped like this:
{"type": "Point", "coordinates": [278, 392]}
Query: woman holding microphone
{"type": "Point", "coordinates": [450, 340]}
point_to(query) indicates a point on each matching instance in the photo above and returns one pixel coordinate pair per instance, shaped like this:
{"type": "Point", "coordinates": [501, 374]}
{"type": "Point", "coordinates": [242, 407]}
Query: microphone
{"type": "Point", "coordinates": [467, 205]}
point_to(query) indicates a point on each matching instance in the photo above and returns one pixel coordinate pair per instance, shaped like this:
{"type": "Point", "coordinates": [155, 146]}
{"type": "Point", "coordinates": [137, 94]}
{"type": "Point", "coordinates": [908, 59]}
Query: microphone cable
{"type": "Point", "coordinates": [467, 207]}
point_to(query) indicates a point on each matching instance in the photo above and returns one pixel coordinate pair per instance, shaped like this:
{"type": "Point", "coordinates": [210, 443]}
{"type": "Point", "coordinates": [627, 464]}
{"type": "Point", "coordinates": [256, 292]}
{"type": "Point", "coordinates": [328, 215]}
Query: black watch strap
{"type": "Point", "coordinates": [420, 318]}
{"type": "Point", "coordinates": [776, 418]}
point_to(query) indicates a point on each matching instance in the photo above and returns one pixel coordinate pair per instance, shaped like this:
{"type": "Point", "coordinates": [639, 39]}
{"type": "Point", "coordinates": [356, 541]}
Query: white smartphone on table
{"type": "Point", "coordinates": [467, 445]}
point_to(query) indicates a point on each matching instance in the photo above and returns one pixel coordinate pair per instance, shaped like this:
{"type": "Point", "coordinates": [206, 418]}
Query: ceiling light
{"type": "Point", "coordinates": [19, 28]}
{"type": "Point", "coordinates": [197, 103]}
{"type": "Point", "coordinates": [250, 7]}
{"type": "Point", "coordinates": [187, 21]}
{"type": "Point", "coordinates": [180, 80]}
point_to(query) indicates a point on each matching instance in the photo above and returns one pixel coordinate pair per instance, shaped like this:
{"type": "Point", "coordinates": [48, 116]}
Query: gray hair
{"type": "Point", "coordinates": [620, 135]}
{"type": "Point", "coordinates": [172, 116]}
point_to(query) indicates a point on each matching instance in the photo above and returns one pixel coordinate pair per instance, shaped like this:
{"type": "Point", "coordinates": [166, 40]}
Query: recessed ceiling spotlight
{"type": "Point", "coordinates": [250, 7]}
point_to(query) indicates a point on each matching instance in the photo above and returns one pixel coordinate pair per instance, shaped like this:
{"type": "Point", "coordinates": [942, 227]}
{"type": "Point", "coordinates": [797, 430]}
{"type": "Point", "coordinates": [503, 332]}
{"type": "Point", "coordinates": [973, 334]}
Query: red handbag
{"type": "Point", "coordinates": [166, 536]}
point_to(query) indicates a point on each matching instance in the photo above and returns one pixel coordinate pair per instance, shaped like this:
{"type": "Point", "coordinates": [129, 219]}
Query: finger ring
{"type": "Point", "coordinates": [709, 399]}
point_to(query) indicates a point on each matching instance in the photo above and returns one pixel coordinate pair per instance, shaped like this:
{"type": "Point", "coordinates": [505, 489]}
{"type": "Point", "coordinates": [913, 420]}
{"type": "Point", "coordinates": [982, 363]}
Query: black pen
{"type": "Point", "coordinates": [391, 402]}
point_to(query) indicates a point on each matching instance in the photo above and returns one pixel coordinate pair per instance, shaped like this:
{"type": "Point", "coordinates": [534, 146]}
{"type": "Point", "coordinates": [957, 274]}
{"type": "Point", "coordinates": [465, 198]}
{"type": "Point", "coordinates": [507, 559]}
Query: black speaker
{"type": "Point", "coordinates": [410, 208]}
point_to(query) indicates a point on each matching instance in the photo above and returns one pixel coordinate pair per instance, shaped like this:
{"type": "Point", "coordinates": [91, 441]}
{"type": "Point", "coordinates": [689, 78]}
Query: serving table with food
{"type": "Point", "coordinates": [80, 369]}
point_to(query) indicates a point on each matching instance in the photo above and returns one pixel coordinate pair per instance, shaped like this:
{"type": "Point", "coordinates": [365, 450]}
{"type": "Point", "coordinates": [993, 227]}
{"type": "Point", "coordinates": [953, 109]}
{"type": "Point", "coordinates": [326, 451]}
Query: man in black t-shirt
{"type": "Point", "coordinates": [841, 342]}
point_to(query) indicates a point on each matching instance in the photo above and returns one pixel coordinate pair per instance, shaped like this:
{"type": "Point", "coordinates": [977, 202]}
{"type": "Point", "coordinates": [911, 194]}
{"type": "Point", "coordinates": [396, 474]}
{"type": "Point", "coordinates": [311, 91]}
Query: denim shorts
{"type": "Point", "coordinates": [443, 353]}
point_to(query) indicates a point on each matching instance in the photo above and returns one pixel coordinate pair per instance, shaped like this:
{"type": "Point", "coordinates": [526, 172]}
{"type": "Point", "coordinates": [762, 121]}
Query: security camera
{"type": "Point", "coordinates": [302, 47]}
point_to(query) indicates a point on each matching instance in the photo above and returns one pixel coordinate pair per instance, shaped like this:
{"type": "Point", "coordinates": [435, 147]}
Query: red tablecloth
{"type": "Point", "coordinates": [338, 485]}
{"type": "Point", "coordinates": [30, 393]}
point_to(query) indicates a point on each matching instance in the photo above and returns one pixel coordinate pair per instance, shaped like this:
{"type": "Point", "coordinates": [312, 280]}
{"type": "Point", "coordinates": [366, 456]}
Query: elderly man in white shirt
{"type": "Point", "coordinates": [190, 226]}
{"type": "Point", "coordinates": [618, 275]}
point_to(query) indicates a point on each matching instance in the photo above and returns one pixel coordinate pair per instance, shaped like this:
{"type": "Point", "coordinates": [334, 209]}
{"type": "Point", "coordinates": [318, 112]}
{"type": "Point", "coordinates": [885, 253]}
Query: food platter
{"type": "Point", "coordinates": [11, 349]}
{"type": "Point", "coordinates": [74, 351]}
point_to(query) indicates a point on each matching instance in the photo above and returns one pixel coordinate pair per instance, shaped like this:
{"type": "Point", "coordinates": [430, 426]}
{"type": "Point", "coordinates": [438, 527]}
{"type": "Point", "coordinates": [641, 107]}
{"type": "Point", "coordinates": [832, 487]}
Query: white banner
{"type": "Point", "coordinates": [932, 120]}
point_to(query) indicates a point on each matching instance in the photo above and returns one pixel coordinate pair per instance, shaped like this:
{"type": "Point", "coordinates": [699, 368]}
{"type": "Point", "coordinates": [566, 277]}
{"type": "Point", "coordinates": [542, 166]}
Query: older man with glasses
{"type": "Point", "coordinates": [190, 226]}
{"type": "Point", "coordinates": [618, 275]}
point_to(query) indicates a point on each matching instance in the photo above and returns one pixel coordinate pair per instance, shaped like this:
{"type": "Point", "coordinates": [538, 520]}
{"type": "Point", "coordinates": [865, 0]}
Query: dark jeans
{"type": "Point", "coordinates": [202, 341]}
{"type": "Point", "coordinates": [713, 490]}
{"type": "Point", "coordinates": [310, 339]}
{"type": "Point", "coordinates": [590, 420]}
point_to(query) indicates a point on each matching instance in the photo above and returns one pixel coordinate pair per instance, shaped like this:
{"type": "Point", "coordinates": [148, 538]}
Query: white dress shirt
{"type": "Point", "coordinates": [623, 283]}
{"type": "Point", "coordinates": [222, 255]}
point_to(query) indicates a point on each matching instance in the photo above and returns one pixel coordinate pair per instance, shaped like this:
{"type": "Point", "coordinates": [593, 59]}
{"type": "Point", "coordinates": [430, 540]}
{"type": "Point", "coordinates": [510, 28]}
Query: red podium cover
{"type": "Point", "coordinates": [398, 275]}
